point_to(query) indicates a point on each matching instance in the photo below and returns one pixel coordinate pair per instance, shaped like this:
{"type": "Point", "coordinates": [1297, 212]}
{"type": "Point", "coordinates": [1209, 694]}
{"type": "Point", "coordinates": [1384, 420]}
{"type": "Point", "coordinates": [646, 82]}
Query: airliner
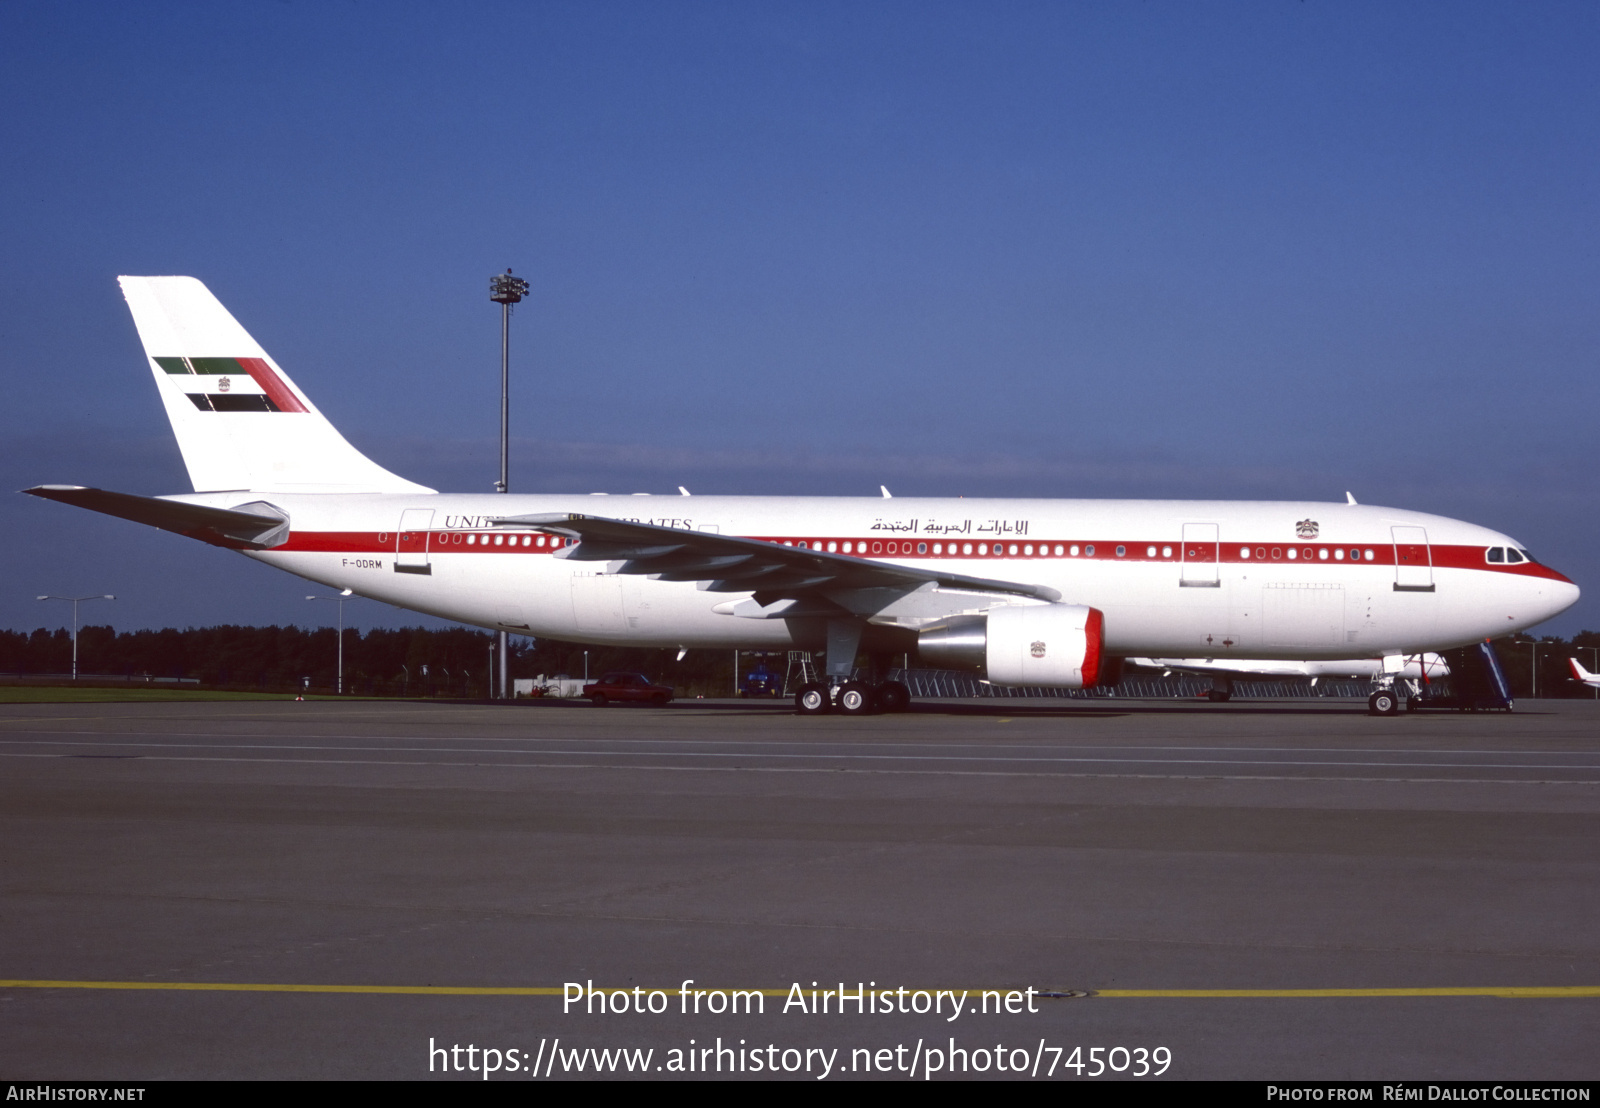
{"type": "Point", "coordinates": [1043, 593]}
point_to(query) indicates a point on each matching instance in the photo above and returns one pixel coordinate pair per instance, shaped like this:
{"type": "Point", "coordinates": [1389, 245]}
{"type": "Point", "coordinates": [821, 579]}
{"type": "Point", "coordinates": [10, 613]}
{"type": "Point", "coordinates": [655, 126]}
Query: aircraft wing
{"type": "Point", "coordinates": [249, 526]}
{"type": "Point", "coordinates": [727, 563]}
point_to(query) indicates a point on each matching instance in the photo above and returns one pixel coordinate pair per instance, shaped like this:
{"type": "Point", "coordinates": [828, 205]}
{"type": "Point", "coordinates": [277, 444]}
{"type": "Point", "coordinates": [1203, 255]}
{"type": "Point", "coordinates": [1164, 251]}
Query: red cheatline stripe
{"type": "Point", "coordinates": [271, 384]}
{"type": "Point", "coordinates": [1444, 557]}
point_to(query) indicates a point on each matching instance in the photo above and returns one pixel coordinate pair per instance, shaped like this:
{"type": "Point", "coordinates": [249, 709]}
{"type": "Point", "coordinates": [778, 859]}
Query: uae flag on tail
{"type": "Point", "coordinates": [221, 388]}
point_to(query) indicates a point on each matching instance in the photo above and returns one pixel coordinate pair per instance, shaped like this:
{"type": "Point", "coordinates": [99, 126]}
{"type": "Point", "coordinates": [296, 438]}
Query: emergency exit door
{"type": "Point", "coordinates": [1413, 560]}
{"type": "Point", "coordinates": [1200, 551]}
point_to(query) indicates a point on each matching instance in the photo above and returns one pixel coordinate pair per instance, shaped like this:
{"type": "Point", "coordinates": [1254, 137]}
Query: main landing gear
{"type": "Point", "coordinates": [852, 698]}
{"type": "Point", "coordinates": [840, 690]}
{"type": "Point", "coordinates": [811, 699]}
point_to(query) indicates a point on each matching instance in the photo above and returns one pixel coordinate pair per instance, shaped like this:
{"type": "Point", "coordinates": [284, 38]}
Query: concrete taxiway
{"type": "Point", "coordinates": [1115, 847]}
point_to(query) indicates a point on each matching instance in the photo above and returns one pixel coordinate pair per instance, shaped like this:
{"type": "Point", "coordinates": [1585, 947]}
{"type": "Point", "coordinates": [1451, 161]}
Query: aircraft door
{"type": "Point", "coordinates": [1200, 552]}
{"type": "Point", "coordinates": [1413, 560]}
{"type": "Point", "coordinates": [597, 604]}
{"type": "Point", "coordinates": [411, 542]}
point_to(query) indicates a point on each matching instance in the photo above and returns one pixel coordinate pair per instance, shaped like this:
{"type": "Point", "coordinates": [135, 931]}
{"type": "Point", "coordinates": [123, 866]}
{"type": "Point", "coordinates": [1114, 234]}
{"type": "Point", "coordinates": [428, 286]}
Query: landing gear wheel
{"type": "Point", "coordinates": [893, 697]}
{"type": "Point", "coordinates": [812, 700]}
{"type": "Point", "coordinates": [855, 699]}
{"type": "Point", "coordinates": [1217, 696]}
{"type": "Point", "coordinates": [598, 700]}
{"type": "Point", "coordinates": [1383, 703]}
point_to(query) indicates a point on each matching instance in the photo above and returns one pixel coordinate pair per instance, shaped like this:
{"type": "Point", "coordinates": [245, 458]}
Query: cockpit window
{"type": "Point", "coordinates": [1507, 555]}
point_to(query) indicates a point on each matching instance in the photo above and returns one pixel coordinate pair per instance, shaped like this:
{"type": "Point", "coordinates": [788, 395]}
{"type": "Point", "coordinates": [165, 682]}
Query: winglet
{"type": "Point", "coordinates": [1349, 497]}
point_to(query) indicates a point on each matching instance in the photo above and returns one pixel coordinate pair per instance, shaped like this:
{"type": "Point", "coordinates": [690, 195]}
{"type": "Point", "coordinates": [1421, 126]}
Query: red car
{"type": "Point", "coordinates": [626, 686]}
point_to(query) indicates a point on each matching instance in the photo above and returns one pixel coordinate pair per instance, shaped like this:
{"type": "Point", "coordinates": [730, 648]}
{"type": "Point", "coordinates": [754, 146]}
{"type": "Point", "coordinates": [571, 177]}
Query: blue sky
{"type": "Point", "coordinates": [1253, 250]}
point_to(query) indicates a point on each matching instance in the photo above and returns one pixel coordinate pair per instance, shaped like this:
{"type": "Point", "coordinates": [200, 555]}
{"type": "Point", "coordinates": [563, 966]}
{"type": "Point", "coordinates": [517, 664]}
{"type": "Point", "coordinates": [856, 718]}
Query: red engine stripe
{"type": "Point", "coordinates": [1094, 638]}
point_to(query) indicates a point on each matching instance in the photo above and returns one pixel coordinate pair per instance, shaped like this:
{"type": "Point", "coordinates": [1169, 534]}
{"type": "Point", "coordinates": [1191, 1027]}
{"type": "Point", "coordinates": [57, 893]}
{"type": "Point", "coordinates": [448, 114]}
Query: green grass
{"type": "Point", "coordinates": [41, 694]}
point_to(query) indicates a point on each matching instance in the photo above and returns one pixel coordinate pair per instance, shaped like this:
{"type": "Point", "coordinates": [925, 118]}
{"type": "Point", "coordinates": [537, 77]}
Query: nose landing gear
{"type": "Point", "coordinates": [1384, 702]}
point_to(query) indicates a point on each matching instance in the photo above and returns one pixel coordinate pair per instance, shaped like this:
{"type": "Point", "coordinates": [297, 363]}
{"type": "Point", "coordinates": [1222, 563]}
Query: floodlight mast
{"type": "Point", "coordinates": [505, 290]}
{"type": "Point", "coordinates": [340, 599]}
{"type": "Point", "coordinates": [75, 601]}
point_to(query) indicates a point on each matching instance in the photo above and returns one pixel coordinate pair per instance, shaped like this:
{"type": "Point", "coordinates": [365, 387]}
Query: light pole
{"type": "Point", "coordinates": [505, 290]}
{"type": "Point", "coordinates": [339, 600]}
{"type": "Point", "coordinates": [1534, 695]}
{"type": "Point", "coordinates": [76, 600]}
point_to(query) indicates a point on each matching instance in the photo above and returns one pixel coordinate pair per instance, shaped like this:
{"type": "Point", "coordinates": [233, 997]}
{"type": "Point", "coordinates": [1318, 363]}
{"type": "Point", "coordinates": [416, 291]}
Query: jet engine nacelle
{"type": "Point", "coordinates": [1056, 645]}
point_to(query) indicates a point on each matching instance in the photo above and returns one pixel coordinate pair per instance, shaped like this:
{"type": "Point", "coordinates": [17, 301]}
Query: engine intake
{"type": "Point", "coordinates": [1055, 645]}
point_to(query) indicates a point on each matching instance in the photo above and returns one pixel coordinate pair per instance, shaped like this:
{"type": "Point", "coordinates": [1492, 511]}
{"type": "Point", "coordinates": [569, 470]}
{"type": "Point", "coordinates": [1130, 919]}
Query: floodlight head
{"type": "Point", "coordinates": [41, 598]}
{"type": "Point", "coordinates": [506, 289]}
{"type": "Point", "coordinates": [348, 592]}
{"type": "Point", "coordinates": [108, 596]}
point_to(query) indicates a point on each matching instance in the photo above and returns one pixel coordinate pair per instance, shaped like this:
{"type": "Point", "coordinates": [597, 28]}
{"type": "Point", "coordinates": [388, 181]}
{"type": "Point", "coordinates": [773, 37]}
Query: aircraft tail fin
{"type": "Point", "coordinates": [241, 423]}
{"type": "Point", "coordinates": [1582, 674]}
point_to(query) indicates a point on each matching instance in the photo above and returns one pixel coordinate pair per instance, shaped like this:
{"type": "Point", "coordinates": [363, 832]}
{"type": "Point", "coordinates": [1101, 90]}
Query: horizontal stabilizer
{"type": "Point", "coordinates": [250, 526]}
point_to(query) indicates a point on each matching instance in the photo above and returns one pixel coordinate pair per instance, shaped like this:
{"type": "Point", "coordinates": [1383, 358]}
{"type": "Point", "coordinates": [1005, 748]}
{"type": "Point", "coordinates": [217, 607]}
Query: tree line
{"type": "Point", "coordinates": [409, 661]}
{"type": "Point", "coordinates": [418, 661]}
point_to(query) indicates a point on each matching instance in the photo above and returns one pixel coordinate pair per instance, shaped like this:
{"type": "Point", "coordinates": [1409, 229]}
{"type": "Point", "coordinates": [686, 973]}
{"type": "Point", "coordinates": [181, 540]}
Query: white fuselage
{"type": "Point", "coordinates": [1174, 579]}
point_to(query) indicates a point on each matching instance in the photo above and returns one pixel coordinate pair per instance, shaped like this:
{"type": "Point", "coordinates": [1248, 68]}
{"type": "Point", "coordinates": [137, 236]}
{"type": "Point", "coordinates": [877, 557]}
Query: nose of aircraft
{"type": "Point", "coordinates": [1549, 594]}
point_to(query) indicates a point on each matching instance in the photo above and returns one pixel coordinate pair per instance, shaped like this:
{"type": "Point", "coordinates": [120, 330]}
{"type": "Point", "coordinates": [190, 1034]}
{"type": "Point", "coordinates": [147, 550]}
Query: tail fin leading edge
{"type": "Point", "coordinates": [240, 422]}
